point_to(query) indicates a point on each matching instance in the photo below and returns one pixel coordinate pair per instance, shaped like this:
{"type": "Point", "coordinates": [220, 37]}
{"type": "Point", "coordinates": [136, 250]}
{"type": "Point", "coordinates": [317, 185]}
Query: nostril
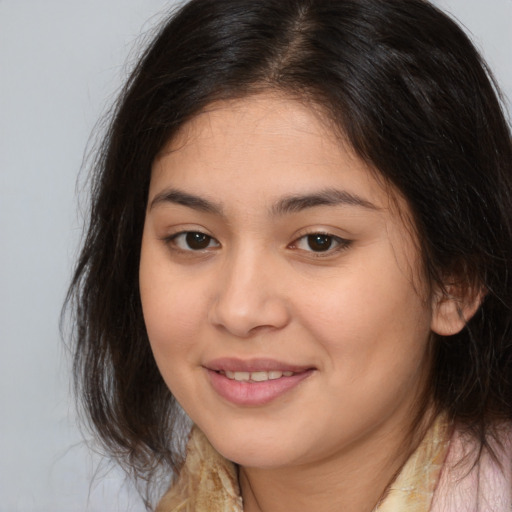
{"type": "Point", "coordinates": [244, 322]}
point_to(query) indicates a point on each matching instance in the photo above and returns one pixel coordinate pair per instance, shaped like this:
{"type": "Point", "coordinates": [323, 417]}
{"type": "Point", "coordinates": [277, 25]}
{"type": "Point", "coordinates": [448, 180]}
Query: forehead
{"type": "Point", "coordinates": [268, 143]}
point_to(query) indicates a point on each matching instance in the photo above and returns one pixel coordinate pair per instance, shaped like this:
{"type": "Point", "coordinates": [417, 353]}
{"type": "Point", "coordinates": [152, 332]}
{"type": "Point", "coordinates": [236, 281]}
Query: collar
{"type": "Point", "coordinates": [209, 483]}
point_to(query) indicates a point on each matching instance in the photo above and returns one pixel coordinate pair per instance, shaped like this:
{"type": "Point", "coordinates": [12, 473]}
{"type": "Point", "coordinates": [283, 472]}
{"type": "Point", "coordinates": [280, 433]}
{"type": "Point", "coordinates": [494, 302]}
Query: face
{"type": "Point", "coordinates": [282, 291]}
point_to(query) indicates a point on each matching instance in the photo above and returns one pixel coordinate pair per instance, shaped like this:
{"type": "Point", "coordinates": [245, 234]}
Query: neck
{"type": "Point", "coordinates": [354, 480]}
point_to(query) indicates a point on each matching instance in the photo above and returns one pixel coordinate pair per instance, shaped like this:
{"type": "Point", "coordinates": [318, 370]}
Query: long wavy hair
{"type": "Point", "coordinates": [405, 86]}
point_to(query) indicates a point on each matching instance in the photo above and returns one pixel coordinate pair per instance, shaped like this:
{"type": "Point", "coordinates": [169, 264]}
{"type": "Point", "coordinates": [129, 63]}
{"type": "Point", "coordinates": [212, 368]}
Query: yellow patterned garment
{"type": "Point", "coordinates": [413, 488]}
{"type": "Point", "coordinates": [209, 483]}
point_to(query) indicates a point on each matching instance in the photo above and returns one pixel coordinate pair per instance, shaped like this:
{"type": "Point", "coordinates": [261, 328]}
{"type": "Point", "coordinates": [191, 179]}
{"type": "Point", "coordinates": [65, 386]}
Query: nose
{"type": "Point", "coordinates": [250, 296]}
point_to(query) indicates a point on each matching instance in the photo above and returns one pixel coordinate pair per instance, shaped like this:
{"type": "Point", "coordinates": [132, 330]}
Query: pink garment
{"type": "Point", "coordinates": [482, 487]}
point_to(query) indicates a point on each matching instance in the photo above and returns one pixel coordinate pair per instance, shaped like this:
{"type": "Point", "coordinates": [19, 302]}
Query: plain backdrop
{"type": "Point", "coordinates": [61, 63]}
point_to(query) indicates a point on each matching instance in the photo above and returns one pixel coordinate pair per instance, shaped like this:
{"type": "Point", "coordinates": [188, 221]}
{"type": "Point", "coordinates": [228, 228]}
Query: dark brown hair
{"type": "Point", "coordinates": [405, 86]}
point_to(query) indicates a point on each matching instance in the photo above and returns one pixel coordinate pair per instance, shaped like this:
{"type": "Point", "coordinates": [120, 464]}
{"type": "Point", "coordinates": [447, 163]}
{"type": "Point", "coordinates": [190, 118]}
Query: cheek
{"type": "Point", "coordinates": [172, 317]}
{"type": "Point", "coordinates": [171, 308]}
{"type": "Point", "coordinates": [369, 319]}
{"type": "Point", "coordinates": [171, 323]}
{"type": "Point", "coordinates": [376, 348]}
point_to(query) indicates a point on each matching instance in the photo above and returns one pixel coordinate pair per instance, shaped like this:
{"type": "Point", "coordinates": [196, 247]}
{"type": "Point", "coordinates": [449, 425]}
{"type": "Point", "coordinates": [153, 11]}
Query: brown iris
{"type": "Point", "coordinates": [319, 242]}
{"type": "Point", "coordinates": [197, 241]}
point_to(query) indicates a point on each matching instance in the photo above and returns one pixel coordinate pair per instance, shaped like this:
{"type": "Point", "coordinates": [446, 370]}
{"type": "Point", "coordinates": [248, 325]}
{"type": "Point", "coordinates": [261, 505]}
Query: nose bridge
{"type": "Point", "coordinates": [249, 295]}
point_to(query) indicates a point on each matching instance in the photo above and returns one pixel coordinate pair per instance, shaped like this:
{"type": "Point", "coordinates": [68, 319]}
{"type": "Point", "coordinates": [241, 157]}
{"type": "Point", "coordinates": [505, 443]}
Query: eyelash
{"type": "Point", "coordinates": [340, 243]}
{"type": "Point", "coordinates": [172, 240]}
{"type": "Point", "coordinates": [309, 238]}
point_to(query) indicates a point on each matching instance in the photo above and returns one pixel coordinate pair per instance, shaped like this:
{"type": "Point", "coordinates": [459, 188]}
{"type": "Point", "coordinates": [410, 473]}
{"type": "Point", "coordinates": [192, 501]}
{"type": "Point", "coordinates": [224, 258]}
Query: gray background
{"type": "Point", "coordinates": [61, 63]}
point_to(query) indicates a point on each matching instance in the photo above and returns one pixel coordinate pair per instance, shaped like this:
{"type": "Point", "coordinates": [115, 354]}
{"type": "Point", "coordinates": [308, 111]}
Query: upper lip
{"type": "Point", "coordinates": [232, 364]}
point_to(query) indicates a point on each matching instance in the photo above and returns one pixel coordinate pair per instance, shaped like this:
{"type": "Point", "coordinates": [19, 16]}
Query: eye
{"type": "Point", "coordinates": [321, 243]}
{"type": "Point", "coordinates": [193, 241]}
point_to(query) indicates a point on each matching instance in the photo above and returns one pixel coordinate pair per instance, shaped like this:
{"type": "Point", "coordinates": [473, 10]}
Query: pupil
{"type": "Point", "coordinates": [319, 243]}
{"type": "Point", "coordinates": [197, 241]}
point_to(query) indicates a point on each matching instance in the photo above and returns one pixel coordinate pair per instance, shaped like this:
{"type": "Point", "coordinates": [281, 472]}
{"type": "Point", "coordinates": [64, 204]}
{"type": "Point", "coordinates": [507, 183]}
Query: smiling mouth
{"type": "Point", "coordinates": [254, 382]}
{"type": "Point", "coordinates": [255, 386]}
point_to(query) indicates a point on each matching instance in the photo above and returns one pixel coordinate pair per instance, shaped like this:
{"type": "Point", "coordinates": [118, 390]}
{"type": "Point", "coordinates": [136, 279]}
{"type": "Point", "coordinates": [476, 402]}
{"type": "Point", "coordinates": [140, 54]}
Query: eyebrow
{"type": "Point", "coordinates": [183, 198]}
{"type": "Point", "coordinates": [327, 197]}
{"type": "Point", "coordinates": [285, 205]}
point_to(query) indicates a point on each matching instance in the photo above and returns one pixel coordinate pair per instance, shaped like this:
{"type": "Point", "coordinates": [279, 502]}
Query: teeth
{"type": "Point", "coordinates": [260, 376]}
{"type": "Point", "coordinates": [256, 376]}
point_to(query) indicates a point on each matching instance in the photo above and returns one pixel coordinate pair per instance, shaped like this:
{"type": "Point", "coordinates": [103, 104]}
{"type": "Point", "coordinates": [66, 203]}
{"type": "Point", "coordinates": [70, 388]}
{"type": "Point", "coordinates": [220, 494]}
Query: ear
{"type": "Point", "coordinates": [453, 306]}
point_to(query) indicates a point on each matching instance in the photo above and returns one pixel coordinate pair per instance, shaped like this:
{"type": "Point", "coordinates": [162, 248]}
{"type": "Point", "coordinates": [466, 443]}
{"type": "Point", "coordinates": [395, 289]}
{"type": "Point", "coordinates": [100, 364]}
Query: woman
{"type": "Point", "coordinates": [301, 232]}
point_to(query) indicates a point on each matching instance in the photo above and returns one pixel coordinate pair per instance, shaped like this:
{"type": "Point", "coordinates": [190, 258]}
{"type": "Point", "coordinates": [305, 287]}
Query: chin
{"type": "Point", "coordinates": [262, 458]}
{"type": "Point", "coordinates": [255, 449]}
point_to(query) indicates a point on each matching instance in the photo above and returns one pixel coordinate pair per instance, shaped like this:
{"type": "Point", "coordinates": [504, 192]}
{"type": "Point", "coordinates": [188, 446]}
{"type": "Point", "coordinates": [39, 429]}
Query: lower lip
{"type": "Point", "coordinates": [254, 393]}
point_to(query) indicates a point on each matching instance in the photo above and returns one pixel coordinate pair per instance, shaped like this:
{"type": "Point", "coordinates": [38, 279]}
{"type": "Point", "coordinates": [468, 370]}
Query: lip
{"type": "Point", "coordinates": [232, 364]}
{"type": "Point", "coordinates": [254, 393]}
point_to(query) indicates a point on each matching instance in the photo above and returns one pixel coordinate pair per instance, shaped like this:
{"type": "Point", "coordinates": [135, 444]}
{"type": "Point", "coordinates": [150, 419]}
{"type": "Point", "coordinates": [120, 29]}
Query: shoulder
{"type": "Point", "coordinates": [475, 479]}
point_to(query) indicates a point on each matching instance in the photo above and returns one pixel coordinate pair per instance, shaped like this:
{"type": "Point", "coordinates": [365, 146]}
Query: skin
{"type": "Point", "coordinates": [359, 314]}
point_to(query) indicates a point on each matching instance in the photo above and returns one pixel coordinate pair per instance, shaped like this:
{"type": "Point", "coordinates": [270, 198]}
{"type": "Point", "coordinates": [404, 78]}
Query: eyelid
{"type": "Point", "coordinates": [341, 243]}
{"type": "Point", "coordinates": [170, 240]}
